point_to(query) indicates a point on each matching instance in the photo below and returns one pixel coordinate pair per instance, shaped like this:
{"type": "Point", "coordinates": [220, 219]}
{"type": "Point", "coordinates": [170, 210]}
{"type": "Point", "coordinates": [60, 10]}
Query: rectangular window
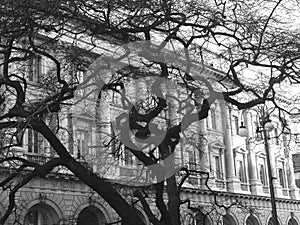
{"type": "Point", "coordinates": [213, 118]}
{"type": "Point", "coordinates": [262, 175]}
{"type": "Point", "coordinates": [192, 161]}
{"type": "Point", "coordinates": [128, 157]}
{"type": "Point", "coordinates": [297, 138]}
{"type": "Point", "coordinates": [192, 165]}
{"type": "Point", "coordinates": [241, 171]}
{"type": "Point", "coordinates": [80, 76]}
{"type": "Point", "coordinates": [18, 137]}
{"type": "Point", "coordinates": [82, 143]}
{"type": "Point", "coordinates": [35, 69]}
{"type": "Point", "coordinates": [70, 133]}
{"type": "Point", "coordinates": [30, 140]}
{"type": "Point", "coordinates": [35, 141]}
{"type": "Point", "coordinates": [81, 148]}
{"type": "Point", "coordinates": [116, 98]}
{"type": "Point", "coordinates": [218, 168]}
{"type": "Point", "coordinates": [235, 126]}
{"type": "Point", "coordinates": [281, 177]}
{"type": "Point", "coordinates": [276, 136]}
{"type": "Point", "coordinates": [258, 130]}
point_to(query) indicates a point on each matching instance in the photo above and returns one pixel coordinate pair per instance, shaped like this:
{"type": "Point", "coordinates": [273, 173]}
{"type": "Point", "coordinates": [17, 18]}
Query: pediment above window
{"type": "Point", "coordinates": [240, 150]}
{"type": "Point", "coordinates": [85, 116]}
{"type": "Point", "coordinates": [217, 144]}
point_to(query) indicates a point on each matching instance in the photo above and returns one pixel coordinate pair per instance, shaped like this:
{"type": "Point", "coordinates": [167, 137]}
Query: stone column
{"type": "Point", "coordinates": [103, 134]}
{"type": "Point", "coordinates": [293, 189]}
{"type": "Point", "coordinates": [277, 186]}
{"type": "Point", "coordinates": [233, 183]}
{"type": "Point", "coordinates": [171, 95]}
{"type": "Point", "coordinates": [70, 132]}
{"type": "Point", "coordinates": [204, 160]}
{"type": "Point", "coordinates": [203, 142]}
{"type": "Point", "coordinates": [203, 138]}
{"type": "Point", "coordinates": [256, 186]}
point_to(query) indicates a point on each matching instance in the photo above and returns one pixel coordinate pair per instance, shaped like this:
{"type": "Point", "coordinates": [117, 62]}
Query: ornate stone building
{"type": "Point", "coordinates": [237, 166]}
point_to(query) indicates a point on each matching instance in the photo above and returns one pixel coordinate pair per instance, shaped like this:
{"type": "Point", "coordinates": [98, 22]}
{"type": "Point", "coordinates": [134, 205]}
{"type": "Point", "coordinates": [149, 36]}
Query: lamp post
{"type": "Point", "coordinates": [267, 126]}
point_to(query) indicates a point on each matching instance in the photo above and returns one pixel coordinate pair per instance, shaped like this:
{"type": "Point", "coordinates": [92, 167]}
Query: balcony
{"type": "Point", "coordinates": [285, 192]}
{"type": "Point", "coordinates": [42, 159]}
{"type": "Point", "coordinates": [195, 176]}
{"type": "Point", "coordinates": [266, 189]}
{"type": "Point", "coordinates": [221, 184]}
{"type": "Point", "coordinates": [194, 180]}
{"type": "Point", "coordinates": [245, 186]}
{"type": "Point", "coordinates": [126, 172]}
{"type": "Point", "coordinates": [36, 158]}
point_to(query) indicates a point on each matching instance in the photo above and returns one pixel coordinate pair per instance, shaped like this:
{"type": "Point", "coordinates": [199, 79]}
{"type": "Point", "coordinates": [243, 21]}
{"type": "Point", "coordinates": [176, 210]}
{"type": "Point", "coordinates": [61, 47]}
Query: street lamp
{"type": "Point", "coordinates": [243, 132]}
{"type": "Point", "coordinates": [267, 126]}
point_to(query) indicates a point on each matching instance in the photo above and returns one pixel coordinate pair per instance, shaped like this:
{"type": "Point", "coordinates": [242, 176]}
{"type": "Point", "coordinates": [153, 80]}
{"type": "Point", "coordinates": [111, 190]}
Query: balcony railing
{"type": "Point", "coordinates": [266, 189]}
{"type": "Point", "coordinates": [285, 192]}
{"type": "Point", "coordinates": [126, 172]}
{"type": "Point", "coordinates": [194, 180]}
{"type": "Point", "coordinates": [221, 184]}
{"type": "Point", "coordinates": [244, 187]}
{"type": "Point", "coordinates": [36, 158]}
{"type": "Point", "coordinates": [42, 159]}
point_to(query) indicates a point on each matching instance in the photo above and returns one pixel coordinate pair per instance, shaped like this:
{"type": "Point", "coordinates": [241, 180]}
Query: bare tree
{"type": "Point", "coordinates": [250, 42]}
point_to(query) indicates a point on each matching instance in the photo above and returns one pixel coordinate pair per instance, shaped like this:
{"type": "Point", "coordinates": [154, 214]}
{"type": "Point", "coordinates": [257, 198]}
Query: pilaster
{"type": "Point", "coordinates": [293, 189]}
{"type": "Point", "coordinates": [233, 184]}
{"type": "Point", "coordinates": [256, 187]}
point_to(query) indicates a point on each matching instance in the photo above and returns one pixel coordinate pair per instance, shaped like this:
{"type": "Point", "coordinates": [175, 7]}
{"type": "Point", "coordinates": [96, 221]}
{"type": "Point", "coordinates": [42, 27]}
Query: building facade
{"type": "Point", "coordinates": [236, 165]}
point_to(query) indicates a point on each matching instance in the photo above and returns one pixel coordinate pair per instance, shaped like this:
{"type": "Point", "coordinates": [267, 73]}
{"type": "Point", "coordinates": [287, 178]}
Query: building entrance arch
{"type": "Point", "coordinates": [41, 214]}
{"type": "Point", "coordinates": [202, 219]}
{"type": "Point", "coordinates": [270, 222]}
{"type": "Point", "coordinates": [251, 220]}
{"type": "Point", "coordinates": [92, 216]}
{"type": "Point", "coordinates": [229, 220]}
{"type": "Point", "coordinates": [292, 221]}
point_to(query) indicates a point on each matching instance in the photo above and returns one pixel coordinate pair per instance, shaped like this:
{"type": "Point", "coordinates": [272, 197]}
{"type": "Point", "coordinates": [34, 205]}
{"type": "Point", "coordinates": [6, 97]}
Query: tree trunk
{"type": "Point", "coordinates": [107, 192]}
{"type": "Point", "coordinates": [100, 185]}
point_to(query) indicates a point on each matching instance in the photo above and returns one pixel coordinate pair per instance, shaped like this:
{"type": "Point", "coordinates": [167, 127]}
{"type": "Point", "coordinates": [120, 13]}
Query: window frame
{"type": "Point", "coordinates": [218, 167]}
{"type": "Point", "coordinates": [213, 118]}
{"type": "Point", "coordinates": [235, 125]}
{"type": "Point", "coordinates": [80, 78]}
{"type": "Point", "coordinates": [82, 137]}
{"type": "Point", "coordinates": [125, 157]}
{"type": "Point", "coordinates": [35, 141]}
{"type": "Point", "coordinates": [241, 156]}
{"type": "Point", "coordinates": [35, 68]}
{"type": "Point", "coordinates": [262, 174]}
{"type": "Point", "coordinates": [217, 150]}
{"type": "Point", "coordinates": [241, 173]}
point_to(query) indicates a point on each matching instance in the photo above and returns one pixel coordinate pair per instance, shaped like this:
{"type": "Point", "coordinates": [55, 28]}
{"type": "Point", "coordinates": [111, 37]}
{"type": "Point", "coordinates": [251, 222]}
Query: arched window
{"type": "Point", "coordinates": [91, 216]}
{"type": "Point", "coordinates": [228, 220]}
{"type": "Point", "coordinates": [202, 219]}
{"type": "Point", "coordinates": [251, 220]}
{"type": "Point", "coordinates": [36, 217]}
{"type": "Point", "coordinates": [270, 222]}
{"type": "Point", "coordinates": [41, 214]}
{"type": "Point", "coordinates": [142, 216]}
{"type": "Point", "coordinates": [292, 221]}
